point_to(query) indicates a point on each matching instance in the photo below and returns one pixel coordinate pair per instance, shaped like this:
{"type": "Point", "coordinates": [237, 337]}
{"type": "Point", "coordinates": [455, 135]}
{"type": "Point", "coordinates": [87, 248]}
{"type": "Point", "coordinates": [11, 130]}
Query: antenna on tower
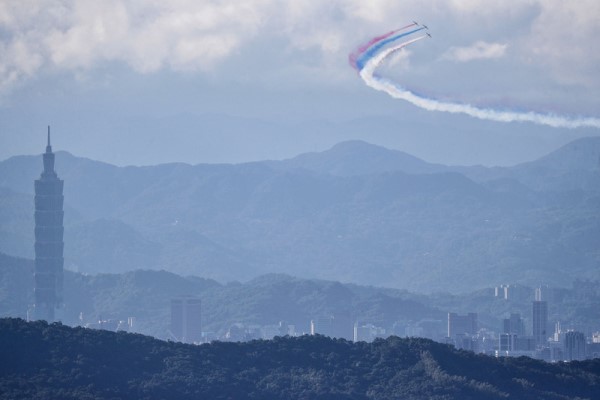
{"type": "Point", "coordinates": [48, 147]}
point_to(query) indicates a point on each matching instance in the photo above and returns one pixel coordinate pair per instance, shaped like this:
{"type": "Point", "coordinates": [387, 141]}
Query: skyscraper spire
{"type": "Point", "coordinates": [48, 146]}
{"type": "Point", "coordinates": [48, 158]}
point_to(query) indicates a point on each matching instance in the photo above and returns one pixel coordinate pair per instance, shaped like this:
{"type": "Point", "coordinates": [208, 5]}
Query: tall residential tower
{"type": "Point", "coordinates": [540, 321]}
{"type": "Point", "coordinates": [48, 273]}
{"type": "Point", "coordinates": [186, 323]}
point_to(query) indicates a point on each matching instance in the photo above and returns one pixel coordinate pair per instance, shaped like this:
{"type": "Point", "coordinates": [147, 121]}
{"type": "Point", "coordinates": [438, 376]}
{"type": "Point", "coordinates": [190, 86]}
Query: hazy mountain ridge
{"type": "Point", "coordinates": [580, 154]}
{"type": "Point", "coordinates": [49, 361]}
{"type": "Point", "coordinates": [340, 160]}
{"type": "Point", "coordinates": [574, 158]}
{"type": "Point", "coordinates": [271, 298]}
{"type": "Point", "coordinates": [265, 300]}
{"type": "Point", "coordinates": [349, 213]}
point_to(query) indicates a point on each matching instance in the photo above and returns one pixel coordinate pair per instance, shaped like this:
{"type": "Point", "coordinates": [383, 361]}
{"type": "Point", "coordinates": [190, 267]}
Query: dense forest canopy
{"type": "Point", "coordinates": [41, 361]}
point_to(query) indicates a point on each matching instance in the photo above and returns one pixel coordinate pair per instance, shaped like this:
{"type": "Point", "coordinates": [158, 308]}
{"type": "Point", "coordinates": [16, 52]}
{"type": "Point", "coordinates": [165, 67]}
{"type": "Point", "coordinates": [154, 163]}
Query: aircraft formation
{"type": "Point", "coordinates": [369, 56]}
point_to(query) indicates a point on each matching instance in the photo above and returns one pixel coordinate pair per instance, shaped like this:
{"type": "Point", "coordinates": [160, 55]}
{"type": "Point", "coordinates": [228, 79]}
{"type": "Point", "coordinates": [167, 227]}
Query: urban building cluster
{"type": "Point", "coordinates": [541, 340]}
{"type": "Point", "coordinates": [462, 331]}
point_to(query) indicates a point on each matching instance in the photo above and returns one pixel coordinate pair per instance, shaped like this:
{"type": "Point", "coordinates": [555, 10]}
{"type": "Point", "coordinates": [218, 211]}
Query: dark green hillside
{"type": "Point", "coordinates": [41, 361]}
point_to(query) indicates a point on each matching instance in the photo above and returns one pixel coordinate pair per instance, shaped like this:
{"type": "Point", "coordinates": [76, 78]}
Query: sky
{"type": "Point", "coordinates": [146, 82]}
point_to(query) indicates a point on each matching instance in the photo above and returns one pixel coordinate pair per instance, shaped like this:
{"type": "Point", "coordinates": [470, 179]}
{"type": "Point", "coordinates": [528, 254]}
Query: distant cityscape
{"type": "Point", "coordinates": [540, 339]}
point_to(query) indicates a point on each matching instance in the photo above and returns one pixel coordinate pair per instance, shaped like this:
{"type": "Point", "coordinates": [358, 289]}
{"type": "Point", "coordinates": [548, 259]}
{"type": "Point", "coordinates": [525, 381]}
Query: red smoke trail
{"type": "Point", "coordinates": [367, 73]}
{"type": "Point", "coordinates": [354, 56]}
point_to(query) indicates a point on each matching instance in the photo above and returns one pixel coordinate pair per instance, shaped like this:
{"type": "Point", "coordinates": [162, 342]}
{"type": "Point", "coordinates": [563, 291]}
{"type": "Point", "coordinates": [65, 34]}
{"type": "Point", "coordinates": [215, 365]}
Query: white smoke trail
{"type": "Point", "coordinates": [398, 92]}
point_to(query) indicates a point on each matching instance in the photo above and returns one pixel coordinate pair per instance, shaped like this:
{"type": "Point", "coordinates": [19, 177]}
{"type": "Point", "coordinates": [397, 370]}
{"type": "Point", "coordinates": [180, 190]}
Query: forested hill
{"type": "Point", "coordinates": [41, 361]}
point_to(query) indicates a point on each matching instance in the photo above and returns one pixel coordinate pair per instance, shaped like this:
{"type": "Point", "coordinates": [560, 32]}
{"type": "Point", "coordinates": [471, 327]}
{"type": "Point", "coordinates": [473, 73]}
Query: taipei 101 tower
{"type": "Point", "coordinates": [48, 273]}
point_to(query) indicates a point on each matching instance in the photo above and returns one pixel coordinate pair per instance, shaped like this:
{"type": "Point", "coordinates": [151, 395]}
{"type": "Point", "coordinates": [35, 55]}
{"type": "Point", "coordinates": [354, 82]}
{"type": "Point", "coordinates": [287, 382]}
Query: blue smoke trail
{"type": "Point", "coordinates": [371, 59]}
{"type": "Point", "coordinates": [362, 60]}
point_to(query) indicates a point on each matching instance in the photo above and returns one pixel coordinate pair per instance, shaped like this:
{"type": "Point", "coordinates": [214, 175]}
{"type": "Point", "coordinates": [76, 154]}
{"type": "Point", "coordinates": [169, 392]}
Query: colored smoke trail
{"type": "Point", "coordinates": [372, 51]}
{"type": "Point", "coordinates": [375, 55]}
{"type": "Point", "coordinates": [361, 49]}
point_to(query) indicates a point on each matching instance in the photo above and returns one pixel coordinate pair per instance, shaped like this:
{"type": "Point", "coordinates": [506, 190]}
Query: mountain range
{"type": "Point", "coordinates": [355, 213]}
{"type": "Point", "coordinates": [270, 299]}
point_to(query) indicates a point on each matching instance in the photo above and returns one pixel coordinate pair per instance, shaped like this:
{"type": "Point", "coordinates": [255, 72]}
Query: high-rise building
{"type": "Point", "coordinates": [544, 292]}
{"type": "Point", "coordinates": [322, 326]}
{"type": "Point", "coordinates": [538, 294]}
{"type": "Point", "coordinates": [507, 342]}
{"type": "Point", "coordinates": [186, 324]}
{"type": "Point", "coordinates": [540, 321]}
{"type": "Point", "coordinates": [512, 292]}
{"type": "Point", "coordinates": [48, 272]}
{"type": "Point", "coordinates": [462, 324]}
{"type": "Point", "coordinates": [574, 348]}
{"type": "Point", "coordinates": [367, 332]}
{"type": "Point", "coordinates": [338, 326]}
{"type": "Point", "coordinates": [514, 325]}
{"type": "Point", "coordinates": [343, 326]}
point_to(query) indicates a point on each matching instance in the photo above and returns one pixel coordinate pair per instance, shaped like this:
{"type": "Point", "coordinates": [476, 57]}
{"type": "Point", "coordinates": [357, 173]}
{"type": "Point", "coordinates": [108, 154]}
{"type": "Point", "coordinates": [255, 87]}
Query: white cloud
{"type": "Point", "coordinates": [191, 35]}
{"type": "Point", "coordinates": [479, 50]}
{"type": "Point", "coordinates": [19, 61]}
{"type": "Point", "coordinates": [489, 9]}
{"type": "Point", "coordinates": [146, 35]}
{"type": "Point", "coordinates": [564, 41]}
